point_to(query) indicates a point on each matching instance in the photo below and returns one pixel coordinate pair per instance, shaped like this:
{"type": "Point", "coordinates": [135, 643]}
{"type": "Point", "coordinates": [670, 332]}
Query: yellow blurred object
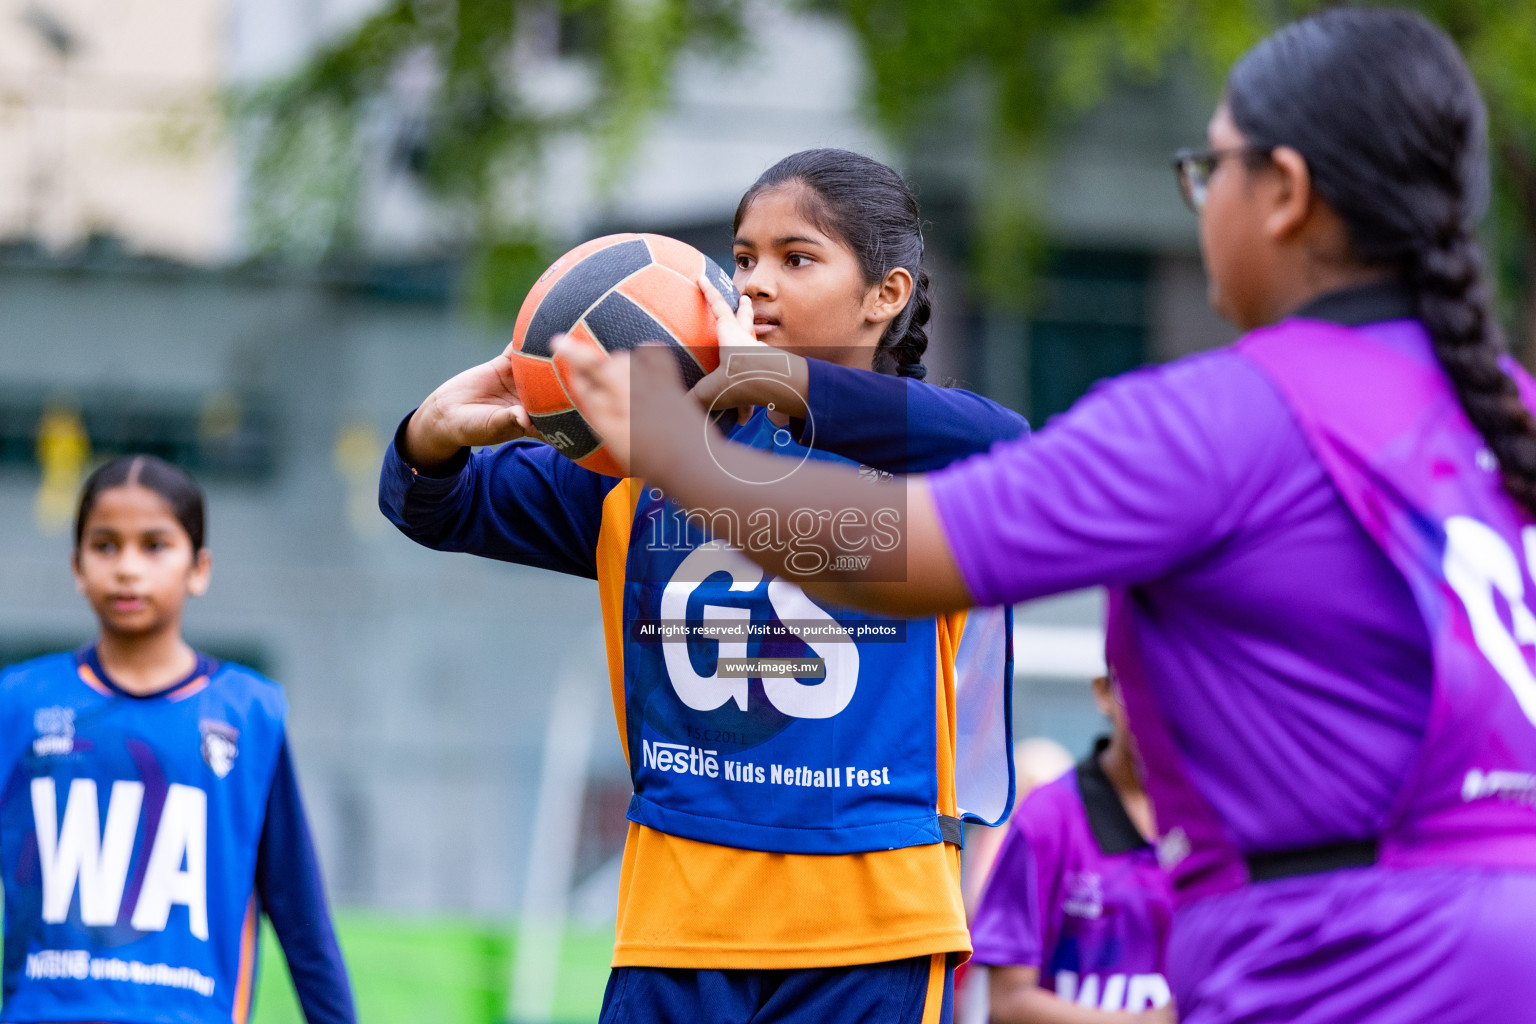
{"type": "Point", "coordinates": [220, 417]}
{"type": "Point", "coordinates": [357, 460]}
{"type": "Point", "coordinates": [63, 452]}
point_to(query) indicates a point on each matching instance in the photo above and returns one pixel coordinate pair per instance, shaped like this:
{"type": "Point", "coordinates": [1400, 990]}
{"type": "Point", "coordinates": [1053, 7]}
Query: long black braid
{"type": "Point", "coordinates": [1382, 107]}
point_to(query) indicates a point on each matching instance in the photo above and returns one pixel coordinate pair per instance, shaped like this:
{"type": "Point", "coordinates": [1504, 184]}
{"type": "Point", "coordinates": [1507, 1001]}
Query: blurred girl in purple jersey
{"type": "Point", "coordinates": [1318, 542]}
{"type": "Point", "coordinates": [1074, 920]}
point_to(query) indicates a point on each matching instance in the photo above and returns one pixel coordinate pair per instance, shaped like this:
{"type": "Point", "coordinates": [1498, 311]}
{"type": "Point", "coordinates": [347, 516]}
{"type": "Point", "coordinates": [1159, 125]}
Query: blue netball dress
{"type": "Point", "coordinates": [141, 837]}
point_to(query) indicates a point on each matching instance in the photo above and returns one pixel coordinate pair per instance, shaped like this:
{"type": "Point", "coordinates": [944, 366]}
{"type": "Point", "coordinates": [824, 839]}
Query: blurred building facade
{"type": "Point", "coordinates": [420, 683]}
{"type": "Point", "coordinates": [110, 124]}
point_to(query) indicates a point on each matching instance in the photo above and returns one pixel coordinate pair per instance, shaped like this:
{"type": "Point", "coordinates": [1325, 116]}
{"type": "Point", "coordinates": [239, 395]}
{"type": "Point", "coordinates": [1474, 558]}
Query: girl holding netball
{"type": "Point", "coordinates": [1318, 544]}
{"type": "Point", "coordinates": [792, 848]}
{"type": "Point", "coordinates": [151, 811]}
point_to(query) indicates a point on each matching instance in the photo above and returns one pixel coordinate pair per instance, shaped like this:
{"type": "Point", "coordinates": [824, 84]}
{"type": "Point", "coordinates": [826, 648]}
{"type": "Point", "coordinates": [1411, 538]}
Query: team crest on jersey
{"type": "Point", "coordinates": [219, 746]}
{"type": "Point", "coordinates": [1085, 894]}
{"type": "Point", "coordinates": [55, 730]}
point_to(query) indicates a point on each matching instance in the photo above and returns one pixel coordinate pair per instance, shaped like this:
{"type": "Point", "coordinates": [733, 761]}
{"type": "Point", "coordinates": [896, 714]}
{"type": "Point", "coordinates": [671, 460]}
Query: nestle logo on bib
{"type": "Point", "coordinates": [679, 758]}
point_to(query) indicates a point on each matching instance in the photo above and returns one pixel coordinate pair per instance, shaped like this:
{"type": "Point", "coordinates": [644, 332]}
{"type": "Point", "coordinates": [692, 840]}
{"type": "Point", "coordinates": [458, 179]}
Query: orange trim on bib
{"type": "Point", "coordinates": [197, 685]}
{"type": "Point", "coordinates": [951, 628]}
{"type": "Point", "coordinates": [613, 535]}
{"type": "Point", "coordinates": [244, 980]}
{"type": "Point", "coordinates": [89, 678]}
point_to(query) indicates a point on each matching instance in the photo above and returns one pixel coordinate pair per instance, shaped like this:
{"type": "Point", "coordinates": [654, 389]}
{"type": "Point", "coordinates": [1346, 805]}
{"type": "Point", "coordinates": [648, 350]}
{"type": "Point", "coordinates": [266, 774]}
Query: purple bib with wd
{"type": "Point", "coordinates": [1076, 892]}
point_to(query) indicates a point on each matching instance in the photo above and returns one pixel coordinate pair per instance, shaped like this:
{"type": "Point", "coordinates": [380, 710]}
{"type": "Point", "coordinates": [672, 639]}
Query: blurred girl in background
{"type": "Point", "coordinates": [1074, 921]}
{"type": "Point", "coordinates": [1036, 761]}
{"type": "Point", "coordinates": [150, 812]}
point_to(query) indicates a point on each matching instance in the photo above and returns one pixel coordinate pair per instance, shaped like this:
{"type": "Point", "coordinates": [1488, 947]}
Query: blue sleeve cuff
{"type": "Point", "coordinates": [519, 502]}
{"type": "Point", "coordinates": [398, 479]}
{"type": "Point", "coordinates": [452, 468]}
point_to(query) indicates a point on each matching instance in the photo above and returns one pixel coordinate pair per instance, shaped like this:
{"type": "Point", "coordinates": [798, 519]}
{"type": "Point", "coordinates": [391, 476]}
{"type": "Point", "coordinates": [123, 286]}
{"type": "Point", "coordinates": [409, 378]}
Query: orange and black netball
{"type": "Point", "coordinates": [613, 292]}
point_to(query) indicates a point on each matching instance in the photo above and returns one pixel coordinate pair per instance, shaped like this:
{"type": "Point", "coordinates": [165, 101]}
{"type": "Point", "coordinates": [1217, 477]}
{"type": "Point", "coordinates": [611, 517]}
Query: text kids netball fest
{"type": "Point", "coordinates": [1028, 586]}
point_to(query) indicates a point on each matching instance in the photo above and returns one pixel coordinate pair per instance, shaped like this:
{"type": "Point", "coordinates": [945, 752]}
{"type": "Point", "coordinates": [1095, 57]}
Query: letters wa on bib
{"type": "Point", "coordinates": [142, 836]}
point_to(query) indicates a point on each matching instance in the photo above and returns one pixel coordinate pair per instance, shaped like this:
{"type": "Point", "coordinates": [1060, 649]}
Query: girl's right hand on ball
{"type": "Point", "coordinates": [477, 407]}
{"type": "Point", "coordinates": [751, 372]}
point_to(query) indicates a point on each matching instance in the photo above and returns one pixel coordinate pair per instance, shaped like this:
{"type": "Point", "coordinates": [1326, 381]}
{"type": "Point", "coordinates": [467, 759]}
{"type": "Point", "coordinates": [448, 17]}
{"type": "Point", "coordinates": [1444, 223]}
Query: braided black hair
{"type": "Point", "coordinates": [1383, 109]}
{"type": "Point", "coordinates": [868, 206]}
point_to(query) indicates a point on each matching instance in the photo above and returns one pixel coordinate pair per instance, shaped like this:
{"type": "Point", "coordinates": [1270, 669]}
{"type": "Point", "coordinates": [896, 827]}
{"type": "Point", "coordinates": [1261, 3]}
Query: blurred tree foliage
{"type": "Point", "coordinates": [1039, 63]}
{"type": "Point", "coordinates": [1046, 62]}
{"type": "Point", "coordinates": [449, 91]}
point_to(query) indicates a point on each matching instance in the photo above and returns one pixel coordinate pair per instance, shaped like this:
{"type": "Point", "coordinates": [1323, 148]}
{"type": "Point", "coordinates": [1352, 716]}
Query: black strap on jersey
{"type": "Point", "coordinates": [952, 829]}
{"type": "Point", "coordinates": [1311, 860]}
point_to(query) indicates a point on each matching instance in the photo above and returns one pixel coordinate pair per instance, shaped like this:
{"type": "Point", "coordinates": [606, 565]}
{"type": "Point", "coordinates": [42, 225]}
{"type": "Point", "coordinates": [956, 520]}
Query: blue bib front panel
{"type": "Point", "coordinates": [128, 835]}
{"type": "Point", "coordinates": [844, 763]}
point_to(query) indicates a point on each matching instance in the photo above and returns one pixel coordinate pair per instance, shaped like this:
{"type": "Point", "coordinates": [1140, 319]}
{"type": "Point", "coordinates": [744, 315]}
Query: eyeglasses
{"type": "Point", "coordinates": [1194, 168]}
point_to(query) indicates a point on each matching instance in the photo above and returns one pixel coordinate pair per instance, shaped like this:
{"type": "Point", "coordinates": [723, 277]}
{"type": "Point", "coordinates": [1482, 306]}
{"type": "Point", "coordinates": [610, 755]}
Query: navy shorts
{"type": "Point", "coordinates": [916, 991]}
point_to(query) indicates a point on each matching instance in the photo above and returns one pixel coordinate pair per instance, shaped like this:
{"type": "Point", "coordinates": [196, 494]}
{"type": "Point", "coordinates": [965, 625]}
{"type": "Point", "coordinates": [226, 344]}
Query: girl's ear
{"type": "Point", "coordinates": [74, 568]}
{"type": "Point", "coordinates": [888, 298]}
{"type": "Point", "coordinates": [1102, 694]}
{"type": "Point", "coordinates": [1292, 201]}
{"type": "Point", "coordinates": [201, 575]}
